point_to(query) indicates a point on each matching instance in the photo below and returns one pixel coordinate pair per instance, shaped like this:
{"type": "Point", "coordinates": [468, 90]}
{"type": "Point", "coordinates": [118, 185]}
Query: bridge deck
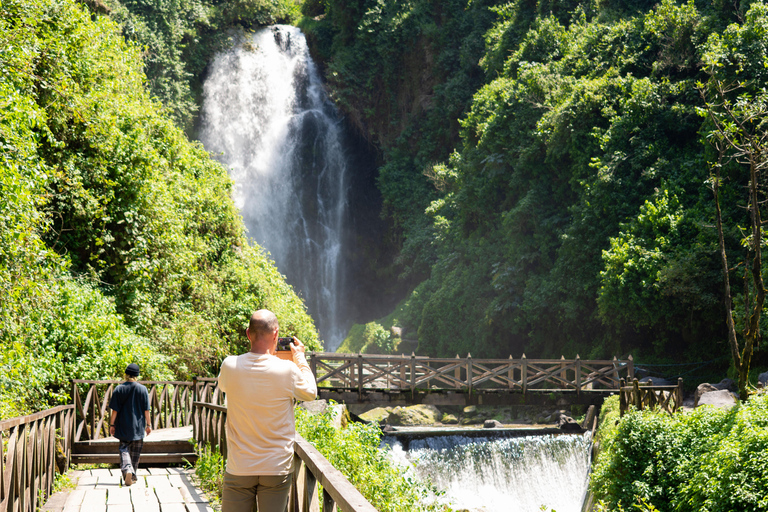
{"type": "Point", "coordinates": [156, 490]}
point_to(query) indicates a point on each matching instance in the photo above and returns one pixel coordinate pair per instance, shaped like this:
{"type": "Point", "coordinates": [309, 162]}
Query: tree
{"type": "Point", "coordinates": [739, 135]}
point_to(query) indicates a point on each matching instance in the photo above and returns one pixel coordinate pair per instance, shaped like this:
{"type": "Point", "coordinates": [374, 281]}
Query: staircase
{"type": "Point", "coordinates": [162, 446]}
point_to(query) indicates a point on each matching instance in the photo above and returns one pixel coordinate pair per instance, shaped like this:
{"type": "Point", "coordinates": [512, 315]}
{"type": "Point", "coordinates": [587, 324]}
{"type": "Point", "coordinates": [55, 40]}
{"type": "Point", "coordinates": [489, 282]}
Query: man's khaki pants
{"type": "Point", "coordinates": [270, 491]}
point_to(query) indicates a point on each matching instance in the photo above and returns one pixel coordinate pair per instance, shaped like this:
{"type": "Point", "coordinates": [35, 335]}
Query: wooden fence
{"type": "Point", "coordinates": [170, 405]}
{"type": "Point", "coordinates": [411, 373]}
{"type": "Point", "coordinates": [311, 468]}
{"type": "Point", "coordinates": [667, 398]}
{"type": "Point", "coordinates": [28, 456]}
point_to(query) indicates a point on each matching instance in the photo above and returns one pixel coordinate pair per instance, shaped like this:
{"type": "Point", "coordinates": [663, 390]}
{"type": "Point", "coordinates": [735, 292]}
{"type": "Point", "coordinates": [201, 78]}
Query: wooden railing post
{"type": "Point", "coordinates": [679, 397]}
{"type": "Point", "coordinates": [360, 375]}
{"type": "Point", "coordinates": [578, 375]}
{"type": "Point", "coordinates": [413, 375]}
{"type": "Point", "coordinates": [457, 373]}
{"type": "Point", "coordinates": [637, 399]}
{"type": "Point", "coordinates": [469, 373]}
{"type": "Point", "coordinates": [630, 368]}
{"type": "Point", "coordinates": [524, 373]}
{"type": "Point", "coordinates": [511, 374]}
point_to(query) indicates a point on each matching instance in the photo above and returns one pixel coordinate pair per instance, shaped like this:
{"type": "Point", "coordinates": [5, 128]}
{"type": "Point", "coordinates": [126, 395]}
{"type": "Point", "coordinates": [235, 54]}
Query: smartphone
{"type": "Point", "coordinates": [284, 344]}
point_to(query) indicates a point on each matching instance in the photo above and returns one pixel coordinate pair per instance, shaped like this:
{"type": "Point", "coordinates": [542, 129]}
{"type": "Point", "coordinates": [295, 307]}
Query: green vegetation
{"type": "Point", "coordinates": [354, 450]}
{"type": "Point", "coordinates": [119, 241]}
{"type": "Point", "coordinates": [704, 460]}
{"type": "Point", "coordinates": [546, 166]}
{"type": "Point", "coordinates": [179, 38]}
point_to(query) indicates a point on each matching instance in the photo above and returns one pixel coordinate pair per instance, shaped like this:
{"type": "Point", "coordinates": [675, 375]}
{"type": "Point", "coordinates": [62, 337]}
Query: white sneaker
{"type": "Point", "coordinates": [129, 479]}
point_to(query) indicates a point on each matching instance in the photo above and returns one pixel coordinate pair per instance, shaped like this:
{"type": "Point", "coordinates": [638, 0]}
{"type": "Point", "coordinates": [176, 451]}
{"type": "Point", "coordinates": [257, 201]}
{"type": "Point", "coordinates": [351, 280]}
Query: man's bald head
{"type": "Point", "coordinates": [263, 324]}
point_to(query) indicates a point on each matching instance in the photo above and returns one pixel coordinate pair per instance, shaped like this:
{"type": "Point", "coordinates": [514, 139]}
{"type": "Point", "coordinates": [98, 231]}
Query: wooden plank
{"type": "Point", "coordinates": [121, 507]}
{"type": "Point", "coordinates": [158, 481]}
{"type": "Point", "coordinates": [119, 496]}
{"type": "Point", "coordinates": [198, 507]}
{"type": "Point", "coordinates": [173, 507]}
{"type": "Point", "coordinates": [95, 500]}
{"type": "Point", "coordinates": [75, 497]}
{"type": "Point", "coordinates": [168, 495]}
{"type": "Point", "coordinates": [192, 494]}
{"type": "Point", "coordinates": [87, 482]}
{"type": "Point", "coordinates": [157, 471]}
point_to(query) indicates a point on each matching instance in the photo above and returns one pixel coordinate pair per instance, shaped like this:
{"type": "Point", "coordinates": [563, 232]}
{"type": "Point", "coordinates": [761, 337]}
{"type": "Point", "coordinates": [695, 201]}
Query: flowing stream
{"type": "Point", "coordinates": [266, 117]}
{"type": "Point", "coordinates": [518, 474]}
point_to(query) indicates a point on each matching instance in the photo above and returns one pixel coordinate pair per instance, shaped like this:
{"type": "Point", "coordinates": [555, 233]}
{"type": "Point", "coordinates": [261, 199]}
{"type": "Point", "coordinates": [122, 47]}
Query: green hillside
{"type": "Point", "coordinates": [119, 241]}
{"type": "Point", "coordinates": [547, 166]}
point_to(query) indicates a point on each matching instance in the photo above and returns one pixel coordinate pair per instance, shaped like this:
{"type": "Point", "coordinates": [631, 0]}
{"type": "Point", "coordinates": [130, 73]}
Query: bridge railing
{"type": "Point", "coordinates": [310, 468]}
{"type": "Point", "coordinates": [170, 405]}
{"type": "Point", "coordinates": [28, 456]}
{"type": "Point", "coordinates": [666, 398]}
{"type": "Point", "coordinates": [410, 373]}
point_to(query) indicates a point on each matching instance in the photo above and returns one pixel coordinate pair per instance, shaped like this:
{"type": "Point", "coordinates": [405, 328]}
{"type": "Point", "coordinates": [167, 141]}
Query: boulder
{"type": "Point", "coordinates": [378, 415]}
{"type": "Point", "coordinates": [568, 424]}
{"type": "Point", "coordinates": [705, 387]}
{"type": "Point", "coordinates": [722, 399]}
{"type": "Point", "coordinates": [492, 424]}
{"type": "Point", "coordinates": [422, 414]}
{"type": "Point", "coordinates": [449, 419]}
{"type": "Point", "coordinates": [763, 379]}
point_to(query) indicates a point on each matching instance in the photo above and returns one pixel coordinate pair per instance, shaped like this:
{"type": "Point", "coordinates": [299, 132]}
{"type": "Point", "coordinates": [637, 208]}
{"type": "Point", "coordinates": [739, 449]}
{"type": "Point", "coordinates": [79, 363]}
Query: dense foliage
{"type": "Point", "coordinates": [546, 167]}
{"type": "Point", "coordinates": [119, 241]}
{"type": "Point", "coordinates": [179, 37]}
{"type": "Point", "coordinates": [706, 460]}
{"type": "Point", "coordinates": [354, 450]}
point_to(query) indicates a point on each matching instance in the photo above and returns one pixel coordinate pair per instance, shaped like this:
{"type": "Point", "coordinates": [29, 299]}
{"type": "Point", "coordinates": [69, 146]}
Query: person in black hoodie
{"type": "Point", "coordinates": [129, 421]}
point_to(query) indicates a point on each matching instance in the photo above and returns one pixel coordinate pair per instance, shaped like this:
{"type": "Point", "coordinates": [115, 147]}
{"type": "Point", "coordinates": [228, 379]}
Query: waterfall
{"type": "Point", "coordinates": [266, 117]}
{"type": "Point", "coordinates": [520, 474]}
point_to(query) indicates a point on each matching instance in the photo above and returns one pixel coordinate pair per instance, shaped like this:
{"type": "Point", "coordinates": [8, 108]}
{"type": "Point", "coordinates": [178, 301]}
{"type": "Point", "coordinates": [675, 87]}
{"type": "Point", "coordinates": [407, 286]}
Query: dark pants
{"type": "Point", "coordinates": [269, 491]}
{"type": "Point", "coordinates": [130, 452]}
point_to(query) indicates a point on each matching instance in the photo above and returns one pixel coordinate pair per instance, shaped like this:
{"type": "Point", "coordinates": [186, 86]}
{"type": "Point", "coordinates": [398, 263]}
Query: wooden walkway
{"type": "Point", "coordinates": [156, 490]}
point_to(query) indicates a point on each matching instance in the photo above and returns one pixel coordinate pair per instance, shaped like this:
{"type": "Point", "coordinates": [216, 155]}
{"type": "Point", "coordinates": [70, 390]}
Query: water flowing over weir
{"type": "Point", "coordinates": [266, 117]}
{"type": "Point", "coordinates": [519, 474]}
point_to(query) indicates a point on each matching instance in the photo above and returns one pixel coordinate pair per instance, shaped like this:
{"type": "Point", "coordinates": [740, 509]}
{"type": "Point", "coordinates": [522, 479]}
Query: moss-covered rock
{"type": "Point", "coordinates": [379, 415]}
{"type": "Point", "coordinates": [414, 415]}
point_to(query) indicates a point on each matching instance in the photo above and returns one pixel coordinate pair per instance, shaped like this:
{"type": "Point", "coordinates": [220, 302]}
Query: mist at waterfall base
{"type": "Point", "coordinates": [517, 474]}
{"type": "Point", "coordinates": [305, 184]}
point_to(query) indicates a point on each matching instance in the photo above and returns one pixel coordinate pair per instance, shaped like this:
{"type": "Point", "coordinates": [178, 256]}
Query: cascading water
{"type": "Point", "coordinates": [520, 474]}
{"type": "Point", "coordinates": [266, 117]}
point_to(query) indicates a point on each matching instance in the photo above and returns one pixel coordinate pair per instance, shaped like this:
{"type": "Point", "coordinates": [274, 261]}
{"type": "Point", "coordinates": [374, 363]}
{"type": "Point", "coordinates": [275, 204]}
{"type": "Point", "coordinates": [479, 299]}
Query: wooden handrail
{"type": "Point", "coordinates": [28, 456]}
{"type": "Point", "coordinates": [311, 468]}
{"type": "Point", "coordinates": [168, 408]}
{"type": "Point", "coordinates": [666, 398]}
{"type": "Point", "coordinates": [369, 371]}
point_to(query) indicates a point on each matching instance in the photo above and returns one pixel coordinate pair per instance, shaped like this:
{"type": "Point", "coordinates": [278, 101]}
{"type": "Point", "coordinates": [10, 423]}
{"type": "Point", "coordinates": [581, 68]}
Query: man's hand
{"type": "Point", "coordinates": [112, 430]}
{"type": "Point", "coordinates": [297, 346]}
{"type": "Point", "coordinates": [148, 430]}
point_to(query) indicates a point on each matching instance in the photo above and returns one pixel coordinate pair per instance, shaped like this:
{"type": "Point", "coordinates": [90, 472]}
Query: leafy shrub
{"type": "Point", "coordinates": [705, 460]}
{"type": "Point", "coordinates": [355, 451]}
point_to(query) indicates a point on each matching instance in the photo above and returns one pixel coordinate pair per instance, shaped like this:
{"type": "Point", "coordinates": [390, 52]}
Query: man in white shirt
{"type": "Point", "coordinates": [261, 427]}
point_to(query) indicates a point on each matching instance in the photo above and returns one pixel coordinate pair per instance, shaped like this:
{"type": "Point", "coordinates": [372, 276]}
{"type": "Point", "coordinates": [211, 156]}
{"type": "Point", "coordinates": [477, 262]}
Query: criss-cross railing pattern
{"type": "Point", "coordinates": [371, 371]}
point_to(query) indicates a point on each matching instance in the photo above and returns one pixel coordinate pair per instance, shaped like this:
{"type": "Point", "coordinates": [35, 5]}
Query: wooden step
{"type": "Point", "coordinates": [146, 458]}
{"type": "Point", "coordinates": [101, 446]}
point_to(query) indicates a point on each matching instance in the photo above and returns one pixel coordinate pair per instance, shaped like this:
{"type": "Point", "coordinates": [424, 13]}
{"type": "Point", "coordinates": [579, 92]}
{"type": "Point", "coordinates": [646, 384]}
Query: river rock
{"type": "Point", "coordinates": [377, 415]}
{"type": "Point", "coordinates": [492, 424]}
{"type": "Point", "coordinates": [705, 387]}
{"type": "Point", "coordinates": [422, 414]}
{"type": "Point", "coordinates": [449, 419]}
{"type": "Point", "coordinates": [722, 399]}
{"type": "Point", "coordinates": [568, 424]}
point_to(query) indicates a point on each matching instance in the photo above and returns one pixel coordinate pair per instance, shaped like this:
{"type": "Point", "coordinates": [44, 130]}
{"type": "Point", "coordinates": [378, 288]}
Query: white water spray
{"type": "Point", "coordinates": [267, 118]}
{"type": "Point", "coordinates": [521, 474]}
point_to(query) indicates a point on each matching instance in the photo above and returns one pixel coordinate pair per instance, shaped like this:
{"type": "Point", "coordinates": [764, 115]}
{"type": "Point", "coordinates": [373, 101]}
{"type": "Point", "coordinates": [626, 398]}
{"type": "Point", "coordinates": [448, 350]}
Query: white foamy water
{"type": "Point", "coordinates": [266, 117]}
{"type": "Point", "coordinates": [520, 474]}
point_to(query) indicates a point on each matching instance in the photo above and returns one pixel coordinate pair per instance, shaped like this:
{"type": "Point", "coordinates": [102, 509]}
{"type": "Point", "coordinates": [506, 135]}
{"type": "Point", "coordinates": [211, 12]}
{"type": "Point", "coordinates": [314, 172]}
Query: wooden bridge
{"type": "Point", "coordinates": [33, 448]}
{"type": "Point", "coordinates": [395, 380]}
{"type": "Point", "coordinates": [184, 413]}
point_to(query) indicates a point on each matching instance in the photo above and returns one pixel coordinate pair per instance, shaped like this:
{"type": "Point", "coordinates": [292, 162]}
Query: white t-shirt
{"type": "Point", "coordinates": [261, 428]}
